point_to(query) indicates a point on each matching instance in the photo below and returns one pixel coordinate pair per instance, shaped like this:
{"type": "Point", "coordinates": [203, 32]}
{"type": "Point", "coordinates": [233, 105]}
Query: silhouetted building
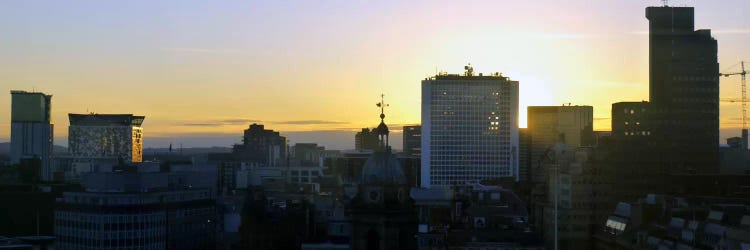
{"type": "Point", "coordinates": [631, 122]}
{"type": "Point", "coordinates": [674, 222]}
{"type": "Point", "coordinates": [281, 221]}
{"type": "Point", "coordinates": [734, 160]}
{"type": "Point", "coordinates": [683, 90]}
{"type": "Point", "coordinates": [548, 125]}
{"type": "Point", "coordinates": [262, 146]}
{"type": "Point", "coordinates": [382, 213]}
{"type": "Point", "coordinates": [583, 193]}
{"type": "Point", "coordinates": [602, 138]}
{"type": "Point", "coordinates": [307, 154]}
{"type": "Point", "coordinates": [524, 155]}
{"type": "Point", "coordinates": [412, 141]}
{"type": "Point", "coordinates": [473, 217]}
{"type": "Point", "coordinates": [366, 139]}
{"type": "Point", "coordinates": [106, 136]}
{"type": "Point", "coordinates": [469, 128]}
{"type": "Point", "coordinates": [31, 131]}
{"type": "Point", "coordinates": [135, 211]}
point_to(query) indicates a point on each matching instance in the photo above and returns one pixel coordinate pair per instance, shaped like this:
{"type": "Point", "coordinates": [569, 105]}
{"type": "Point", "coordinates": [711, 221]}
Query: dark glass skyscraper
{"type": "Point", "coordinates": [684, 90]}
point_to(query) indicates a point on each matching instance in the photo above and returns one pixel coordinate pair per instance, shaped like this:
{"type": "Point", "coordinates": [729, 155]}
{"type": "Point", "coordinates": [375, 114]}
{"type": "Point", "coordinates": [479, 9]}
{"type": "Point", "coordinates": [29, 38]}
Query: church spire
{"type": "Point", "coordinates": [382, 128]}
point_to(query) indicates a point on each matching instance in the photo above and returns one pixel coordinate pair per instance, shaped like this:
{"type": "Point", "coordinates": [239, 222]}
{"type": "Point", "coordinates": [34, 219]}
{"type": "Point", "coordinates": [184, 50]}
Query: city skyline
{"type": "Point", "coordinates": [192, 62]}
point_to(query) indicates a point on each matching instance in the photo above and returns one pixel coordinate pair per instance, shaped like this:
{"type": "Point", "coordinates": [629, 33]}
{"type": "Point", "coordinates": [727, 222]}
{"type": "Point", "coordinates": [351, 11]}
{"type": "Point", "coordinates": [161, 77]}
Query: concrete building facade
{"type": "Point", "coordinates": [134, 211]}
{"type": "Point", "coordinates": [31, 131]}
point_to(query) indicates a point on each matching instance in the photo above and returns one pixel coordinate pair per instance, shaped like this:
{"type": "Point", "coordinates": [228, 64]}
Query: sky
{"type": "Point", "coordinates": [202, 71]}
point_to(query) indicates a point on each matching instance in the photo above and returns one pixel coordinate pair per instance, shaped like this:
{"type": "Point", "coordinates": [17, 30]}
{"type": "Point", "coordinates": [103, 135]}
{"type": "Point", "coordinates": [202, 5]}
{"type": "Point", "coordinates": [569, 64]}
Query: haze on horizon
{"type": "Point", "coordinates": [201, 72]}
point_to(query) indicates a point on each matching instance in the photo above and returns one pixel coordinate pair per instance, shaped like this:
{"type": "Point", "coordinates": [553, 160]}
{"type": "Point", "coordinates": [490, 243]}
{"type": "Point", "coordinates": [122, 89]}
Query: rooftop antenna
{"type": "Point", "coordinates": [469, 70]}
{"type": "Point", "coordinates": [666, 3]}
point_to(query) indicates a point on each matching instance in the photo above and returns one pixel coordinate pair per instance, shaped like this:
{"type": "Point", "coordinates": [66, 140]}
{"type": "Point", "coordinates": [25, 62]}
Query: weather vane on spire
{"type": "Point", "coordinates": [382, 106]}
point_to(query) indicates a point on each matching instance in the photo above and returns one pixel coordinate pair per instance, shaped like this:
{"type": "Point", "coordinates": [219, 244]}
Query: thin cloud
{"type": "Point", "coordinates": [201, 124]}
{"type": "Point", "coordinates": [239, 121]}
{"type": "Point", "coordinates": [221, 122]}
{"type": "Point", "coordinates": [204, 50]}
{"type": "Point", "coordinates": [556, 36]}
{"type": "Point", "coordinates": [309, 122]}
{"type": "Point", "coordinates": [564, 36]}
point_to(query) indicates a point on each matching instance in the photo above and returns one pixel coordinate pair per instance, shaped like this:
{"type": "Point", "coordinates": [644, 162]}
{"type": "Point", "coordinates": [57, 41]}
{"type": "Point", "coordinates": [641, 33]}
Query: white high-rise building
{"type": "Point", "coordinates": [469, 128]}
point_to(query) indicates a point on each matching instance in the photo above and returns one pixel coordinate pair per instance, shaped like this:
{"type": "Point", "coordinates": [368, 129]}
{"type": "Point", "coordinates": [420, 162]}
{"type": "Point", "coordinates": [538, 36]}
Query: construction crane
{"type": "Point", "coordinates": [743, 101]}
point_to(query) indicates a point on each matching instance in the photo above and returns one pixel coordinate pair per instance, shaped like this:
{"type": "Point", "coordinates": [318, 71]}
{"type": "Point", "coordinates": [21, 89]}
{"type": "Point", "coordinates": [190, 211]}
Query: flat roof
{"type": "Point", "coordinates": [23, 92]}
{"type": "Point", "coordinates": [494, 76]}
{"type": "Point", "coordinates": [105, 119]}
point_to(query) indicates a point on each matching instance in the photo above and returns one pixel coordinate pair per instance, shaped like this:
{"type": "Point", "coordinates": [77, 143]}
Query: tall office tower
{"type": "Point", "coordinates": [31, 133]}
{"type": "Point", "coordinates": [366, 139]}
{"type": "Point", "coordinates": [262, 146]}
{"type": "Point", "coordinates": [684, 90]}
{"type": "Point", "coordinates": [106, 136]}
{"type": "Point", "coordinates": [469, 128]}
{"type": "Point", "coordinates": [412, 140]}
{"type": "Point", "coordinates": [548, 125]}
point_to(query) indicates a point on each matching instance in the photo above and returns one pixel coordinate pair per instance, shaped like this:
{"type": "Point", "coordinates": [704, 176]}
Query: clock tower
{"type": "Point", "coordinates": [383, 216]}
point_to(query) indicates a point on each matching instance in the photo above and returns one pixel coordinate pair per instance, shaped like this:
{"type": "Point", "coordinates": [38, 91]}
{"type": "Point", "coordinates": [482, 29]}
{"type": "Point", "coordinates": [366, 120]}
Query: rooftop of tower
{"type": "Point", "coordinates": [105, 119]}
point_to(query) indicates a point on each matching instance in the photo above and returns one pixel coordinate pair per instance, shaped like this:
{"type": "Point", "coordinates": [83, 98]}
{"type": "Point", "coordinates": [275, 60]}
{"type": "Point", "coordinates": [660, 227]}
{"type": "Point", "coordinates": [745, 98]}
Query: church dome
{"type": "Point", "coordinates": [383, 167]}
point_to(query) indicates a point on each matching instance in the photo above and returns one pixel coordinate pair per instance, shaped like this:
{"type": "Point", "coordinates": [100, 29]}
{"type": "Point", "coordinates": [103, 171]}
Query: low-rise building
{"type": "Point", "coordinates": [135, 211]}
{"type": "Point", "coordinates": [475, 217]}
{"type": "Point", "coordinates": [671, 222]}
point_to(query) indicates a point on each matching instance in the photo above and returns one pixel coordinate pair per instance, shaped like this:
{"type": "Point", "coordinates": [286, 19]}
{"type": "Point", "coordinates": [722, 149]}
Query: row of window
{"type": "Point", "coordinates": [633, 133]}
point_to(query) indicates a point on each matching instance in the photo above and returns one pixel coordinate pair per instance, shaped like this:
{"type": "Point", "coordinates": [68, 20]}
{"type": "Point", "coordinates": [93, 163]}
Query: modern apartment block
{"type": "Point", "coordinates": [31, 132]}
{"type": "Point", "coordinates": [469, 128]}
{"type": "Point", "coordinates": [106, 136]}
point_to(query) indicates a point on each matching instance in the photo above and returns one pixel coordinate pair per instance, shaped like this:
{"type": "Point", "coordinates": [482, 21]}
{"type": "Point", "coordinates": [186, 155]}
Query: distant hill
{"type": "Point", "coordinates": [209, 150]}
{"type": "Point", "coordinates": [5, 149]}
